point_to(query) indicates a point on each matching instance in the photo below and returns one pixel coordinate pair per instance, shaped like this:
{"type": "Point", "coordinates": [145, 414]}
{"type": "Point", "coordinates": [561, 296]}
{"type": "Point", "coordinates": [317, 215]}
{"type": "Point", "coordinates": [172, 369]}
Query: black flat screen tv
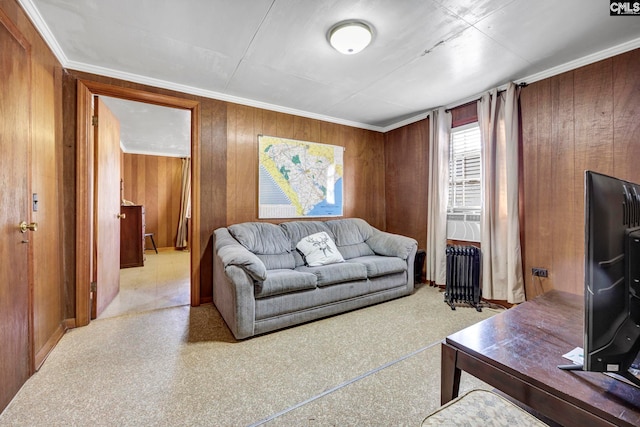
{"type": "Point", "coordinates": [612, 277]}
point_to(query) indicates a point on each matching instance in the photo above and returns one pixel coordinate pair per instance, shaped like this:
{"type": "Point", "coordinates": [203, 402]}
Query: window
{"type": "Point", "coordinates": [465, 189]}
{"type": "Point", "coordinates": [465, 184]}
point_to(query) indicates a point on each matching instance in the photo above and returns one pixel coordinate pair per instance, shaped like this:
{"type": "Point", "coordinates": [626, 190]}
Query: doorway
{"type": "Point", "coordinates": [154, 184]}
{"type": "Point", "coordinates": [84, 227]}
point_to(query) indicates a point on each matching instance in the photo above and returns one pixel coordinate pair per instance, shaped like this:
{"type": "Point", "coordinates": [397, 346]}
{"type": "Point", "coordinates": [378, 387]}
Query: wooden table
{"type": "Point", "coordinates": [518, 352]}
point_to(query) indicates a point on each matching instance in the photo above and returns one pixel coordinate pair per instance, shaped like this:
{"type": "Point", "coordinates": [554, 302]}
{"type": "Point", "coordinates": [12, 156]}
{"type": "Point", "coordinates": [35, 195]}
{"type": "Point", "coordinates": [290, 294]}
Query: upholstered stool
{"type": "Point", "coordinates": [152, 241]}
{"type": "Point", "coordinates": [481, 408]}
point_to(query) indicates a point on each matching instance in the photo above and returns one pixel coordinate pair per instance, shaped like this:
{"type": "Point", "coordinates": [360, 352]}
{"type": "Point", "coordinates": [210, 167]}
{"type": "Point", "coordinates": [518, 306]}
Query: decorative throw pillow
{"type": "Point", "coordinates": [318, 249]}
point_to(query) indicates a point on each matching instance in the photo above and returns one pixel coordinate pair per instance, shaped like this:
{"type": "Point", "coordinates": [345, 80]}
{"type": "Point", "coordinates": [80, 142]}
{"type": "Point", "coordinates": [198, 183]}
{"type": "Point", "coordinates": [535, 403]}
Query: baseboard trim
{"type": "Point", "coordinates": [41, 355]}
{"type": "Point", "coordinates": [69, 323]}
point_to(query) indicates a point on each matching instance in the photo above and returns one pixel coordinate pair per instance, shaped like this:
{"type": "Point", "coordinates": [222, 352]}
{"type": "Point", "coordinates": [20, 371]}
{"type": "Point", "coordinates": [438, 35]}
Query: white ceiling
{"type": "Point", "coordinates": [152, 129]}
{"type": "Point", "coordinates": [274, 54]}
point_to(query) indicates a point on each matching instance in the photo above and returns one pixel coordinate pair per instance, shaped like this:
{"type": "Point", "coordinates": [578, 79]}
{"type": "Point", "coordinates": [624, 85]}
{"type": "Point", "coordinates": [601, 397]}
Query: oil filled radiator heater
{"type": "Point", "coordinates": [463, 276]}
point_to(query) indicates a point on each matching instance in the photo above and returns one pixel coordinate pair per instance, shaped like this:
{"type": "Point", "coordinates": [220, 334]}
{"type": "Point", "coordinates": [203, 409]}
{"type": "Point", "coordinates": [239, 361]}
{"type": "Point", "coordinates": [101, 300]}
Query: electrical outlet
{"type": "Point", "coordinates": [540, 272]}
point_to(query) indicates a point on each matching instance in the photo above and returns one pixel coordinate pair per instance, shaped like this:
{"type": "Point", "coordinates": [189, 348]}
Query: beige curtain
{"type": "Point", "coordinates": [500, 231]}
{"type": "Point", "coordinates": [436, 260]}
{"type": "Point", "coordinates": [185, 204]}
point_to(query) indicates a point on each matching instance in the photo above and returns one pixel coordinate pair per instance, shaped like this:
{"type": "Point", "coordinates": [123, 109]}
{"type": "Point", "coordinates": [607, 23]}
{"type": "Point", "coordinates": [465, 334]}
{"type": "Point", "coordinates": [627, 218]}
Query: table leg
{"type": "Point", "coordinates": [449, 374]}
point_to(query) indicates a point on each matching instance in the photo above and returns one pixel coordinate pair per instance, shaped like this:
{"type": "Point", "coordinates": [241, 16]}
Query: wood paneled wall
{"type": "Point", "coordinates": [364, 181]}
{"type": "Point", "coordinates": [212, 163]}
{"type": "Point", "coordinates": [48, 292]}
{"type": "Point", "coordinates": [588, 118]}
{"type": "Point", "coordinates": [155, 182]}
{"type": "Point", "coordinates": [228, 164]}
{"type": "Point", "coordinates": [407, 180]}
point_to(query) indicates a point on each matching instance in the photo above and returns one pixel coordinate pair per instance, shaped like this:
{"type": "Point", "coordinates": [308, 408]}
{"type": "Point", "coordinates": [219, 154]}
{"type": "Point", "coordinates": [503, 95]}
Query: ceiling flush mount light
{"type": "Point", "coordinates": [350, 37]}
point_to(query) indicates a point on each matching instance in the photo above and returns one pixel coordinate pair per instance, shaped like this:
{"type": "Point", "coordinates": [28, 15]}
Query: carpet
{"type": "Point", "coordinates": [181, 366]}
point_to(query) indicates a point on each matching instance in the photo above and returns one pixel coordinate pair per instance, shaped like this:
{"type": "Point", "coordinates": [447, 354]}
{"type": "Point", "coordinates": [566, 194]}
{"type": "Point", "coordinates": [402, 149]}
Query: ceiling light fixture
{"type": "Point", "coordinates": [350, 37]}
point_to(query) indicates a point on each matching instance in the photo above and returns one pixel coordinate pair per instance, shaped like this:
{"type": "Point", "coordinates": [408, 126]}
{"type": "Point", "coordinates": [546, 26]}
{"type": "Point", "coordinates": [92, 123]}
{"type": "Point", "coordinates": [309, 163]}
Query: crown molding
{"type": "Point", "coordinates": [46, 33]}
{"type": "Point", "coordinates": [554, 71]}
{"type": "Point", "coordinates": [581, 62]}
{"type": "Point", "coordinates": [155, 153]}
{"type": "Point", "coordinates": [38, 21]}
{"type": "Point", "coordinates": [406, 122]}
{"type": "Point", "coordinates": [136, 78]}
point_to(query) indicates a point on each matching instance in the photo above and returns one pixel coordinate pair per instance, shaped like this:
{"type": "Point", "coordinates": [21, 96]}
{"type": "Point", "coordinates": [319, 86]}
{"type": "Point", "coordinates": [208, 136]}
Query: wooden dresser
{"type": "Point", "coordinates": [132, 236]}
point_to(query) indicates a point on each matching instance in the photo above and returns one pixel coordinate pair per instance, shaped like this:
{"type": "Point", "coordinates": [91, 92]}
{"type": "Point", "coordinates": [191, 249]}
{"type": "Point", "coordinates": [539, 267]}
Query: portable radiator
{"type": "Point", "coordinates": [463, 276]}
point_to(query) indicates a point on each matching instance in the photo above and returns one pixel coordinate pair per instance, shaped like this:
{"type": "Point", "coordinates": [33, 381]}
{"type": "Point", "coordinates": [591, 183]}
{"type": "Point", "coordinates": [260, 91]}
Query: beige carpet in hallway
{"type": "Point", "coordinates": [181, 366]}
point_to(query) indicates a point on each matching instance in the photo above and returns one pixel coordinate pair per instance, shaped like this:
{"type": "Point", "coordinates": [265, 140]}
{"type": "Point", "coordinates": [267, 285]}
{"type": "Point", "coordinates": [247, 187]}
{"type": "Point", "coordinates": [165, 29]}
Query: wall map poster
{"type": "Point", "coordinates": [299, 179]}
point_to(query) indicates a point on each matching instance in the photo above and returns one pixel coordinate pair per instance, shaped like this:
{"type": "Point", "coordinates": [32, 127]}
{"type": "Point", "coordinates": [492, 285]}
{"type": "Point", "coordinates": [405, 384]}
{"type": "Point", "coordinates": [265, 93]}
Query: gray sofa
{"type": "Point", "coordinates": [261, 282]}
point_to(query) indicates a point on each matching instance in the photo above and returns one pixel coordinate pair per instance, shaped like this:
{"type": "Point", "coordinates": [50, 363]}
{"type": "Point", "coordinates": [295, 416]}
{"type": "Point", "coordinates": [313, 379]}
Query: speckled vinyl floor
{"type": "Point", "coordinates": [162, 282]}
{"type": "Point", "coordinates": [377, 366]}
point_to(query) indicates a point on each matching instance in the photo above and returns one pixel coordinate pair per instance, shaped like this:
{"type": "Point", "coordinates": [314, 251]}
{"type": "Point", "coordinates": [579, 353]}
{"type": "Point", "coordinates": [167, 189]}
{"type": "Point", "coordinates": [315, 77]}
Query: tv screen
{"type": "Point", "coordinates": [612, 275]}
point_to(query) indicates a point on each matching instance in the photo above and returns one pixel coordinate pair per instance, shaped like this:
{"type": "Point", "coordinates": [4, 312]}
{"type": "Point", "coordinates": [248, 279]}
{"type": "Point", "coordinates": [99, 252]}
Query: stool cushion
{"type": "Point", "coordinates": [481, 408]}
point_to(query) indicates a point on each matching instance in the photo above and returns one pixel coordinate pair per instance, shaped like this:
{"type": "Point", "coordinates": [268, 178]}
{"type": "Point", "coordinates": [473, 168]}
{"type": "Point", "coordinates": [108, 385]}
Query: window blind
{"type": "Point", "coordinates": [465, 190]}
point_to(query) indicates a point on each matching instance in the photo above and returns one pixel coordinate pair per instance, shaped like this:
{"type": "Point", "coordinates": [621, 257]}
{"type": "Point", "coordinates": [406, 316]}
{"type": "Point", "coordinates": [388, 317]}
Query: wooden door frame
{"type": "Point", "coordinates": [84, 180]}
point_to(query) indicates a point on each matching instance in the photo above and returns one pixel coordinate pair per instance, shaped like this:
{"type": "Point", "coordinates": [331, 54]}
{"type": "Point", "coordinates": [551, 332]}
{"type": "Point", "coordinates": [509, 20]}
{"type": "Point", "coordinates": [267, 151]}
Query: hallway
{"type": "Point", "coordinates": [162, 282]}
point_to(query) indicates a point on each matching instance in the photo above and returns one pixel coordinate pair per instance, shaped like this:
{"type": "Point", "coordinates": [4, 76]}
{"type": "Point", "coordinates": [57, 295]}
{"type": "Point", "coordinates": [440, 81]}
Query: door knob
{"type": "Point", "coordinates": [122, 216]}
{"type": "Point", "coordinates": [24, 226]}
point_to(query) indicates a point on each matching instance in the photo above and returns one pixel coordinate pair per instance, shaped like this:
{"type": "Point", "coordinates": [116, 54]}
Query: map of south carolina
{"type": "Point", "coordinates": [299, 178]}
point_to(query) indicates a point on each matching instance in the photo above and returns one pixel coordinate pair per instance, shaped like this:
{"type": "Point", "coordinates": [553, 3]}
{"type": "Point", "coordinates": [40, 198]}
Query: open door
{"type": "Point", "coordinates": [107, 208]}
{"type": "Point", "coordinates": [84, 182]}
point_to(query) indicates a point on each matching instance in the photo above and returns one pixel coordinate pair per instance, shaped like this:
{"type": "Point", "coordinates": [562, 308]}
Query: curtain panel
{"type": "Point", "coordinates": [498, 118]}
{"type": "Point", "coordinates": [185, 204]}
{"type": "Point", "coordinates": [436, 261]}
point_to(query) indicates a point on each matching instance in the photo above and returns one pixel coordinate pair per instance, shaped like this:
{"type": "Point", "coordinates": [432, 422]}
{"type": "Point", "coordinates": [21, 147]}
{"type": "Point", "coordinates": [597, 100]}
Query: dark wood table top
{"type": "Point", "coordinates": [528, 342]}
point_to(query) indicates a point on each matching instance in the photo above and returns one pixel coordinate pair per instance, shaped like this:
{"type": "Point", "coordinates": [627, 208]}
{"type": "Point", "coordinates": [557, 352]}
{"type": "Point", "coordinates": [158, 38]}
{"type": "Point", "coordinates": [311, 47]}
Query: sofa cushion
{"type": "Point", "coordinates": [336, 273]}
{"type": "Point", "coordinates": [318, 249]}
{"type": "Point", "coordinates": [284, 281]}
{"type": "Point", "coordinates": [261, 237]}
{"type": "Point", "coordinates": [296, 230]}
{"type": "Point", "coordinates": [278, 261]}
{"type": "Point", "coordinates": [388, 244]}
{"type": "Point", "coordinates": [351, 235]}
{"type": "Point", "coordinates": [350, 231]}
{"type": "Point", "coordinates": [381, 265]}
{"type": "Point", "coordinates": [354, 251]}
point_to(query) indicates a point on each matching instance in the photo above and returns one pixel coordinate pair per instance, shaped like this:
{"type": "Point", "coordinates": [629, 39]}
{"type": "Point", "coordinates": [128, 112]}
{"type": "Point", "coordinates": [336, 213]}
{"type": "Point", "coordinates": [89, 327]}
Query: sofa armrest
{"type": "Point", "coordinates": [388, 244]}
{"type": "Point", "coordinates": [233, 297]}
{"type": "Point", "coordinates": [233, 253]}
{"type": "Point", "coordinates": [241, 257]}
{"type": "Point", "coordinates": [234, 271]}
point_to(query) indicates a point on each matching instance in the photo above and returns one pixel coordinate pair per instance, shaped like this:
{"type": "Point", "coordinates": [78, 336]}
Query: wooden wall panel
{"type": "Point", "coordinates": [46, 157]}
{"type": "Point", "coordinates": [565, 262]}
{"type": "Point", "coordinates": [584, 119]}
{"type": "Point", "coordinates": [155, 182]}
{"type": "Point", "coordinates": [363, 161]}
{"type": "Point", "coordinates": [47, 289]}
{"type": "Point", "coordinates": [407, 180]}
{"type": "Point", "coordinates": [531, 218]}
{"type": "Point", "coordinates": [213, 190]}
{"type": "Point", "coordinates": [587, 118]}
{"type": "Point", "coordinates": [626, 116]}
